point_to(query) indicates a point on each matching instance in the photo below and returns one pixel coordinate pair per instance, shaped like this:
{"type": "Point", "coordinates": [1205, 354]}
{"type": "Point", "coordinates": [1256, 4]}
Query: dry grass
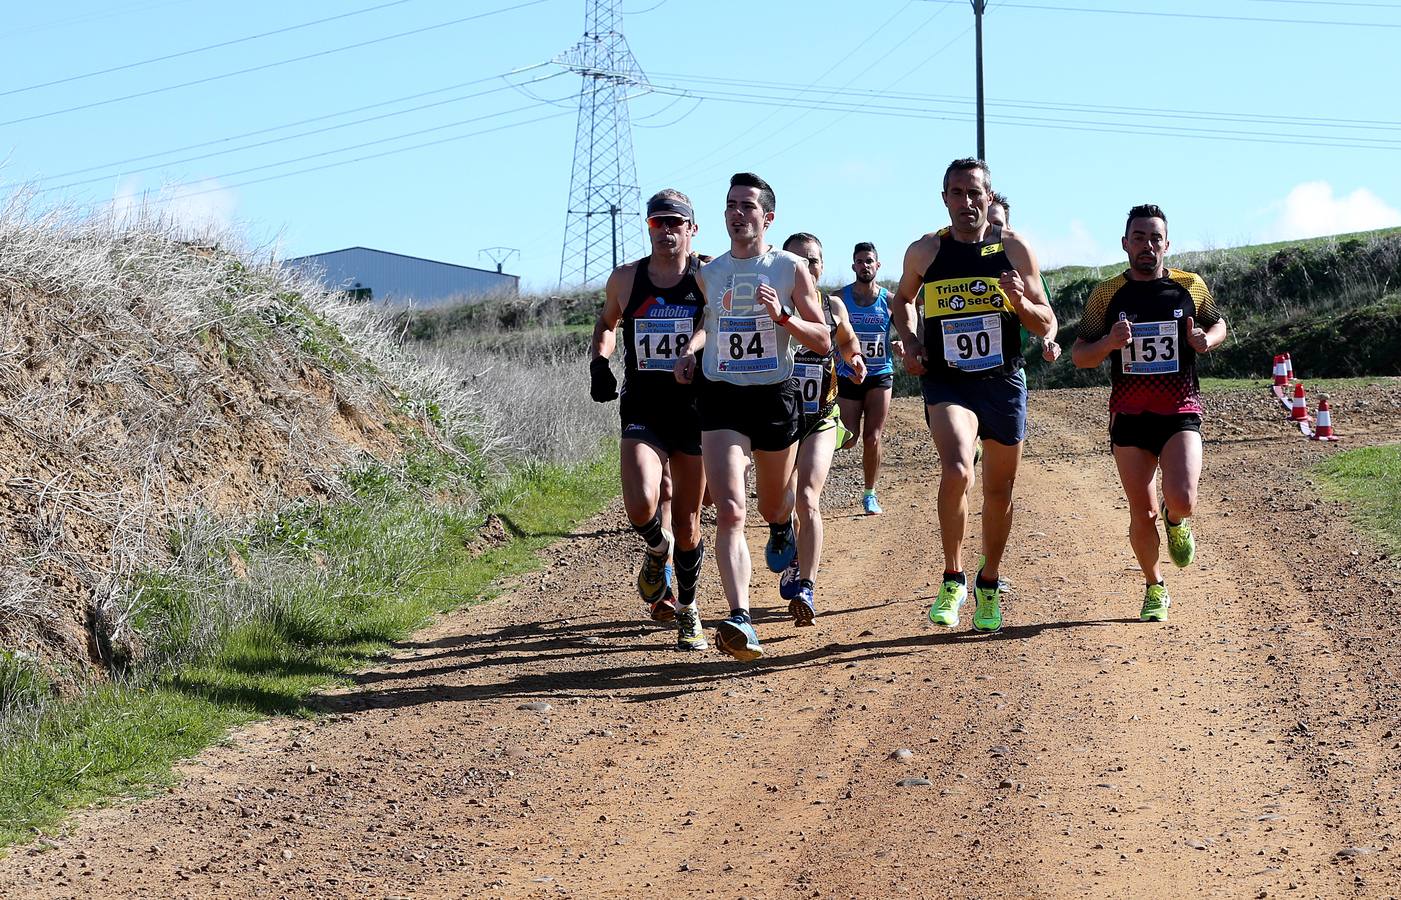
{"type": "Point", "coordinates": [151, 378]}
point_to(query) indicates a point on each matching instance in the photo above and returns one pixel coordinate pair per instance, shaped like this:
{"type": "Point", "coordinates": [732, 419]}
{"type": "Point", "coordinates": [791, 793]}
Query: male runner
{"type": "Point", "coordinates": [999, 210]}
{"type": "Point", "coordinates": [759, 303]}
{"type": "Point", "coordinates": [869, 306]}
{"type": "Point", "coordinates": [1148, 321]}
{"type": "Point", "coordinates": [979, 283]}
{"type": "Point", "coordinates": [658, 302]}
{"type": "Point", "coordinates": [818, 434]}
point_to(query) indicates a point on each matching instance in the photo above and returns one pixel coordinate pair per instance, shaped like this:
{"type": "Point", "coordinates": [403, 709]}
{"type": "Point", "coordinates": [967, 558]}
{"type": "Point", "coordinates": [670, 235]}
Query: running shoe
{"type": "Point", "coordinates": [977, 450]}
{"type": "Point", "coordinates": [802, 608]}
{"type": "Point", "coordinates": [781, 549]}
{"type": "Point", "coordinates": [987, 611]}
{"type": "Point", "coordinates": [690, 634]}
{"type": "Point", "coordinates": [737, 638]}
{"type": "Point", "coordinates": [664, 609]}
{"type": "Point", "coordinates": [945, 608]}
{"type": "Point", "coordinates": [790, 582]}
{"type": "Point", "coordinates": [652, 580]}
{"type": "Point", "coordinates": [1155, 604]}
{"type": "Point", "coordinates": [869, 504]}
{"type": "Point", "coordinates": [1182, 547]}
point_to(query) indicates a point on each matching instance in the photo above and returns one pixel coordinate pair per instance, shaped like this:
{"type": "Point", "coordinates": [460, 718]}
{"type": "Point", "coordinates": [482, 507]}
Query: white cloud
{"type": "Point", "coordinates": [197, 206]}
{"type": "Point", "coordinates": [1311, 209]}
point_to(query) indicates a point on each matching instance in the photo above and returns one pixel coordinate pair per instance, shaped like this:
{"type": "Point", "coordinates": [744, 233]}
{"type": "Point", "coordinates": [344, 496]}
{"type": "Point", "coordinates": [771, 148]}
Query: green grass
{"type": "Point", "coordinates": [349, 580]}
{"type": "Point", "coordinates": [1369, 481]}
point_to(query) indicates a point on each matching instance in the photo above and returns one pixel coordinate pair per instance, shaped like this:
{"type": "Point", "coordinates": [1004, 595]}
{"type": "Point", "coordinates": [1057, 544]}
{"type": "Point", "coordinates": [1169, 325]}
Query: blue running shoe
{"type": "Point", "coordinates": [869, 504]}
{"type": "Point", "coordinates": [781, 549]}
{"type": "Point", "coordinates": [737, 638]}
{"type": "Point", "coordinates": [790, 582]}
{"type": "Point", "coordinates": [802, 608]}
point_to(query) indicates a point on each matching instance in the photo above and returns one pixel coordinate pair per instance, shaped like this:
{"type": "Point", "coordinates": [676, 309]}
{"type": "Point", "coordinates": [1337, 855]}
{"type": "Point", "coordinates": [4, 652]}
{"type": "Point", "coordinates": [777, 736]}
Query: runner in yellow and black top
{"type": "Point", "coordinates": [819, 433]}
{"type": "Point", "coordinates": [1150, 322]}
{"type": "Point", "coordinates": [979, 284]}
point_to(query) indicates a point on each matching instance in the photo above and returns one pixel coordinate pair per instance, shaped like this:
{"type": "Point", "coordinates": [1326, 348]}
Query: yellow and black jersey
{"type": "Point", "coordinates": [816, 373]}
{"type": "Point", "coordinates": [1157, 371]}
{"type": "Point", "coordinates": [969, 326]}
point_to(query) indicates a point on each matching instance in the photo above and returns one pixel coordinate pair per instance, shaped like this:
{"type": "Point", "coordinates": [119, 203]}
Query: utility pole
{"type": "Point", "coordinates": [498, 255]}
{"type": "Point", "coordinates": [979, 6]}
{"type": "Point", "coordinates": [604, 179]}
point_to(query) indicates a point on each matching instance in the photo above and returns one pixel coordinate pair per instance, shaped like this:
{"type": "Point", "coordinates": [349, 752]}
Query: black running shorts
{"type": "Point", "coordinates": [851, 390]}
{"type": "Point", "coordinates": [1150, 431]}
{"type": "Point", "coordinates": [767, 414]}
{"type": "Point", "coordinates": [672, 425]}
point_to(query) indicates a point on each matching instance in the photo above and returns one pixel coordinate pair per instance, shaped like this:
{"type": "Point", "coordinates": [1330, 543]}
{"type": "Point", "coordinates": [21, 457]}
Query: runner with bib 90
{"type": "Point", "coordinates": [979, 284]}
{"type": "Point", "coordinates": [1148, 322]}
{"type": "Point", "coordinates": [760, 303]}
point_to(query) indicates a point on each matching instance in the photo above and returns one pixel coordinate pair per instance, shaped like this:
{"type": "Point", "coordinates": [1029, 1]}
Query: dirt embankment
{"type": "Point", "coordinates": [142, 382]}
{"type": "Point", "coordinates": [551, 744]}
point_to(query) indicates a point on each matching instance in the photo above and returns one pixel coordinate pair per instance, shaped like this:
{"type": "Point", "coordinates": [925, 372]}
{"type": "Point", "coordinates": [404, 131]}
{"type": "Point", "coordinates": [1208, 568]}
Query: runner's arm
{"type": "Point", "coordinates": [903, 314]}
{"type": "Point", "coordinates": [1027, 294]}
{"type": "Point", "coordinates": [685, 366]}
{"type": "Point", "coordinates": [807, 327]}
{"type": "Point", "coordinates": [605, 329]}
{"type": "Point", "coordinates": [847, 344]}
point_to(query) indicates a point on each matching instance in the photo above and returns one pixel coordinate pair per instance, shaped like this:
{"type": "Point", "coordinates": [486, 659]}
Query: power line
{"type": "Point", "coordinates": [290, 137]}
{"type": "Point", "coordinates": [346, 162]}
{"type": "Point", "coordinates": [286, 125]}
{"type": "Point", "coordinates": [193, 51]}
{"type": "Point", "coordinates": [79, 20]}
{"type": "Point", "coordinates": [271, 65]}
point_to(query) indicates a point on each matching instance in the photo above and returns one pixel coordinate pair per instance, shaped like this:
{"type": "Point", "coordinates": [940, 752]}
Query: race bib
{"type": "Point", "coordinates": [973, 344]}
{"type": "Point", "coordinates": [872, 344]}
{"type": "Point", "coordinates": [1153, 349]}
{"type": "Point", "coordinates": [658, 342]}
{"type": "Point", "coordinates": [809, 385]}
{"type": "Point", "coordinates": [747, 344]}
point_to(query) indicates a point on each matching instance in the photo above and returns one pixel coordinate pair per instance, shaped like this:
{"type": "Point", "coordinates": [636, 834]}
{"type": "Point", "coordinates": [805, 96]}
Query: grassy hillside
{"type": "Point", "coordinates": [1333, 303]}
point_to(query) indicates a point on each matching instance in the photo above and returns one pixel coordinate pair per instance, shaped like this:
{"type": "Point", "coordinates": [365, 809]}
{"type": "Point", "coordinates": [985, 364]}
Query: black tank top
{"type": "Point", "coordinates": [970, 330]}
{"type": "Point", "coordinates": [657, 326]}
{"type": "Point", "coordinates": [818, 395]}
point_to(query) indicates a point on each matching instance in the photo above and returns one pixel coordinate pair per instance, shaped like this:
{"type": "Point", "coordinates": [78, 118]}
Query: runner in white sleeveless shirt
{"type": "Point", "coordinates": [759, 303]}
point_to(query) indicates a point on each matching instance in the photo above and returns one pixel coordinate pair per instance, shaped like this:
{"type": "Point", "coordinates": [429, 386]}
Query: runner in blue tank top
{"type": "Point", "coordinates": [868, 305]}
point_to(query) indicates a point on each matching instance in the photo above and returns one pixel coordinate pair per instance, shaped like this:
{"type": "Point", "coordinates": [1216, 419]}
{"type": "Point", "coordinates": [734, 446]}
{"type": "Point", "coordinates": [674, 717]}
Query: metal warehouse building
{"type": "Point", "coordinates": [383, 277]}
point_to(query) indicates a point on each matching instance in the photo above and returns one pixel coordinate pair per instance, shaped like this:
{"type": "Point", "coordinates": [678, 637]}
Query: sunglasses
{"type": "Point", "coordinates": [665, 221]}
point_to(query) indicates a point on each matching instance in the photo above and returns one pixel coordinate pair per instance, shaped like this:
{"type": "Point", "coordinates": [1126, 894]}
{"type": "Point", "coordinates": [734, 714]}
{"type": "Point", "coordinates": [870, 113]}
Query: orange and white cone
{"type": "Point", "coordinates": [1324, 431]}
{"type": "Point", "coordinates": [1299, 411]}
{"type": "Point", "coordinates": [1281, 375]}
{"type": "Point", "coordinates": [1288, 368]}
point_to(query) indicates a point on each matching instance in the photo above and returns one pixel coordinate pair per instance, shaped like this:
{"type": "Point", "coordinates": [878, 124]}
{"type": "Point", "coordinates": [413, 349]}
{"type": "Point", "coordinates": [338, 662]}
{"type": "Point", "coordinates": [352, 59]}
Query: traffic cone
{"type": "Point", "coordinates": [1324, 431]}
{"type": "Point", "coordinates": [1281, 375]}
{"type": "Point", "coordinates": [1288, 368]}
{"type": "Point", "coordinates": [1299, 412]}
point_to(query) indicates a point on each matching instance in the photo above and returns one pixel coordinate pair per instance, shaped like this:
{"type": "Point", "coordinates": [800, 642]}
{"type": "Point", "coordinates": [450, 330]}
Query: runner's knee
{"type": "Point", "coordinates": [1181, 500]}
{"type": "Point", "coordinates": [729, 513]}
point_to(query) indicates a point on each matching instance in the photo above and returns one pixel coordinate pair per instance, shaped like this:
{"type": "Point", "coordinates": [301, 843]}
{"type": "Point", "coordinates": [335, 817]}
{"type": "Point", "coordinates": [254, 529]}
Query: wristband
{"type": "Point", "coordinates": [783, 319]}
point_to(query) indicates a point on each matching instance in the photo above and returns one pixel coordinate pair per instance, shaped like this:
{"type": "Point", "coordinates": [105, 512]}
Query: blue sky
{"type": "Point", "coordinates": [1247, 120]}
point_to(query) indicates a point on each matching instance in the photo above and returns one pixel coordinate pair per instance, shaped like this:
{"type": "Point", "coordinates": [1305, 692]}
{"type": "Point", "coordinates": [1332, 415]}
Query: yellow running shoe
{"type": "Point", "coordinates": [1155, 604]}
{"type": "Point", "coordinates": [945, 608]}
{"type": "Point", "coordinates": [1182, 547]}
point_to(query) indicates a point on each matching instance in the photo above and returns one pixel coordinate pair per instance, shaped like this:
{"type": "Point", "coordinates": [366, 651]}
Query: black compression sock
{"type": "Point", "coordinates": [688, 563]}
{"type": "Point", "coordinates": [983, 583]}
{"type": "Point", "coordinates": [955, 576]}
{"type": "Point", "coordinates": [740, 614]}
{"type": "Point", "coordinates": [806, 582]}
{"type": "Point", "coordinates": [780, 530]}
{"type": "Point", "coordinates": [651, 532]}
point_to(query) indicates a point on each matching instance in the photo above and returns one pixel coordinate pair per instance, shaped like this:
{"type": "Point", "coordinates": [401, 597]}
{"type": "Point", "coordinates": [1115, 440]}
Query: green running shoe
{"type": "Point", "coordinates": [1181, 546]}
{"type": "Point", "coordinates": [945, 608]}
{"type": "Point", "coordinates": [987, 614]}
{"type": "Point", "coordinates": [977, 450]}
{"type": "Point", "coordinates": [1155, 604]}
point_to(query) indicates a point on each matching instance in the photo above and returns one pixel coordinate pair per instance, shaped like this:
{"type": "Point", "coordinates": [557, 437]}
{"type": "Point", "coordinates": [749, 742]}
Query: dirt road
{"type": "Point", "coordinates": [551, 745]}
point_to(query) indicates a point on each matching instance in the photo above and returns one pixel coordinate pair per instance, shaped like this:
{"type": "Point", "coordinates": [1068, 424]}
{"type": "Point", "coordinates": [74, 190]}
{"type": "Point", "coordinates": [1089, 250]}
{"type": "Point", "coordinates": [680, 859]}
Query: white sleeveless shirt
{"type": "Point", "coordinates": [743, 344]}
